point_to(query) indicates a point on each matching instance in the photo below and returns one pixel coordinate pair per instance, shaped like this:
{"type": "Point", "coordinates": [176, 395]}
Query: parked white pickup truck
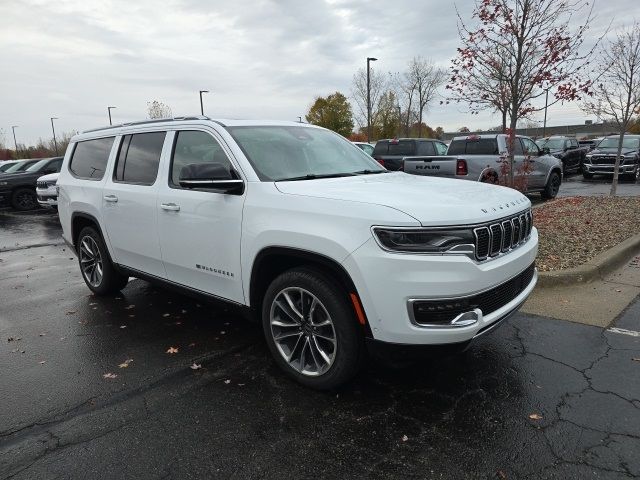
{"type": "Point", "coordinates": [478, 158]}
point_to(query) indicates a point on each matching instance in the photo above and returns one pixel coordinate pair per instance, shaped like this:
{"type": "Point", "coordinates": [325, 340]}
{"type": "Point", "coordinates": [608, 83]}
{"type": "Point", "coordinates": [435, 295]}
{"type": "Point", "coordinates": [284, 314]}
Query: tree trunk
{"type": "Point", "coordinates": [511, 143]}
{"type": "Point", "coordinates": [616, 167]}
{"type": "Point", "coordinates": [504, 121]}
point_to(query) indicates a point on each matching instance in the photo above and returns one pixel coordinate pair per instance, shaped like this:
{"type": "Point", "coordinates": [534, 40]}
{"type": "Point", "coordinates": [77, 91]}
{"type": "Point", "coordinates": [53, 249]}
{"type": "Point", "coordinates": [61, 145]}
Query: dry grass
{"type": "Point", "coordinates": [574, 230]}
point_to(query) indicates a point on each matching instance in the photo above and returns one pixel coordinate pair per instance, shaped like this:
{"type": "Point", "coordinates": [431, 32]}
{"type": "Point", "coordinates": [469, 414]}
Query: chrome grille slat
{"type": "Point", "coordinates": [500, 237]}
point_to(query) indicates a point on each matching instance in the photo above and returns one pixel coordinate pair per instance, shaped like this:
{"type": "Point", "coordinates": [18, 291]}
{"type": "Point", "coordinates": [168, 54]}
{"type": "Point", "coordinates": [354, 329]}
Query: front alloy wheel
{"type": "Point", "coordinates": [91, 261]}
{"type": "Point", "coordinates": [303, 331]}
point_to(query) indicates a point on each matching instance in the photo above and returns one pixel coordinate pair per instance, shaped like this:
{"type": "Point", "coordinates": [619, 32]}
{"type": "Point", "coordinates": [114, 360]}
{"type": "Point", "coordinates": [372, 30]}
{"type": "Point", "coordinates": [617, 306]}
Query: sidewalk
{"type": "Point", "coordinates": [597, 303]}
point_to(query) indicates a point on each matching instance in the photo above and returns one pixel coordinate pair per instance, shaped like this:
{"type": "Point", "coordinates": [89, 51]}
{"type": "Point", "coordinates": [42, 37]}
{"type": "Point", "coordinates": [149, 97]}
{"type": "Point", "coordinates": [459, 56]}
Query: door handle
{"type": "Point", "coordinates": [111, 198]}
{"type": "Point", "coordinates": [170, 207]}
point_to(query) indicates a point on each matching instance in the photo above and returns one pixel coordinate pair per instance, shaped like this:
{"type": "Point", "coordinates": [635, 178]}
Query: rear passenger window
{"type": "Point", "coordinates": [482, 146]}
{"type": "Point", "coordinates": [441, 148]}
{"type": "Point", "coordinates": [426, 148]}
{"type": "Point", "coordinates": [194, 147]}
{"type": "Point", "coordinates": [89, 158]}
{"type": "Point", "coordinates": [403, 147]}
{"type": "Point", "coordinates": [139, 158]}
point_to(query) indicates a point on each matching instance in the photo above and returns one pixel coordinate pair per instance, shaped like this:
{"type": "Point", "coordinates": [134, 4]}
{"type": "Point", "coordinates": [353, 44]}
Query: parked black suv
{"type": "Point", "coordinates": [19, 189]}
{"type": "Point", "coordinates": [391, 152]}
{"type": "Point", "coordinates": [566, 149]}
{"type": "Point", "coordinates": [601, 160]}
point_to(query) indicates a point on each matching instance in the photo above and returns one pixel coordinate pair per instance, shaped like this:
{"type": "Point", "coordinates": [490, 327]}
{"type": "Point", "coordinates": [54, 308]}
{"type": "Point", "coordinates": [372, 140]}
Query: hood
{"type": "Point", "coordinates": [20, 176]}
{"type": "Point", "coordinates": [49, 177]}
{"type": "Point", "coordinates": [430, 200]}
{"type": "Point", "coordinates": [612, 151]}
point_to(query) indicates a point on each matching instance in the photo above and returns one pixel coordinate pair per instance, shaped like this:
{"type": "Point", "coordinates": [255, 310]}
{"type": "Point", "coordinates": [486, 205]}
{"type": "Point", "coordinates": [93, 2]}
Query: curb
{"type": "Point", "coordinates": [596, 268]}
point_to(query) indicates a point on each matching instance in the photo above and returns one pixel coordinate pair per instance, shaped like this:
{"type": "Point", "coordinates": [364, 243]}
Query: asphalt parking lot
{"type": "Point", "coordinates": [88, 390]}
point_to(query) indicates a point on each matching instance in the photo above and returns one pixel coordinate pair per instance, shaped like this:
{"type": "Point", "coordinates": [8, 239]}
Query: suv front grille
{"type": "Point", "coordinates": [41, 185]}
{"type": "Point", "coordinates": [500, 237]}
{"type": "Point", "coordinates": [442, 312]}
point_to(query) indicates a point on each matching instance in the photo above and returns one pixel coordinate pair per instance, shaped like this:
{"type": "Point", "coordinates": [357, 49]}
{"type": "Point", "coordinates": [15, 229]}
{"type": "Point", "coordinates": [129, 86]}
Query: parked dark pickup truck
{"type": "Point", "coordinates": [391, 153]}
{"type": "Point", "coordinates": [601, 160]}
{"type": "Point", "coordinates": [566, 149]}
{"type": "Point", "coordinates": [19, 189]}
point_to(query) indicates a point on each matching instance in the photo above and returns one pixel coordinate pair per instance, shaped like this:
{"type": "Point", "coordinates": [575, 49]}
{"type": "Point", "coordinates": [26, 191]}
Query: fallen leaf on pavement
{"type": "Point", "coordinates": [636, 359]}
{"type": "Point", "coordinates": [109, 375]}
{"type": "Point", "coordinates": [123, 326]}
{"type": "Point", "coordinates": [165, 314]}
{"type": "Point", "coordinates": [42, 362]}
{"type": "Point", "coordinates": [126, 363]}
{"type": "Point", "coordinates": [535, 416]}
{"type": "Point", "coordinates": [501, 474]}
{"type": "Point", "coordinates": [405, 438]}
{"type": "Point", "coordinates": [129, 307]}
{"type": "Point", "coordinates": [227, 382]}
{"type": "Point", "coordinates": [192, 344]}
{"type": "Point", "coordinates": [70, 312]}
{"type": "Point", "coordinates": [195, 366]}
{"type": "Point", "coordinates": [42, 334]}
{"type": "Point", "coordinates": [172, 350]}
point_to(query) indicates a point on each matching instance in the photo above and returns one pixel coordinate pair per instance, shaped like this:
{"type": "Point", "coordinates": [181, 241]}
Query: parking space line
{"type": "Point", "coordinates": [622, 331]}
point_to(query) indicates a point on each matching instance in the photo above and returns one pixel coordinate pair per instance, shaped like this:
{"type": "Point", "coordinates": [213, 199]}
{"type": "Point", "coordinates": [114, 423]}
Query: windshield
{"type": "Point", "coordinates": [19, 167]}
{"type": "Point", "coordinates": [551, 143]}
{"type": "Point", "coordinates": [612, 142]}
{"type": "Point", "coordinates": [37, 166]}
{"type": "Point", "coordinates": [300, 153]}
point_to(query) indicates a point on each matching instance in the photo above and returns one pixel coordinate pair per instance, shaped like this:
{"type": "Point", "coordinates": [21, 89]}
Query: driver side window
{"type": "Point", "coordinates": [195, 147]}
{"type": "Point", "coordinates": [530, 148]}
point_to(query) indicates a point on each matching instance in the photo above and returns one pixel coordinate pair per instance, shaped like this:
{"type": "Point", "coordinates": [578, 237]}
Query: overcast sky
{"type": "Point", "coordinates": [259, 58]}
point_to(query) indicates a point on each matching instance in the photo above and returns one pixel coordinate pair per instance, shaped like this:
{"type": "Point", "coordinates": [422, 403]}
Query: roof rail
{"type": "Point", "coordinates": [146, 122]}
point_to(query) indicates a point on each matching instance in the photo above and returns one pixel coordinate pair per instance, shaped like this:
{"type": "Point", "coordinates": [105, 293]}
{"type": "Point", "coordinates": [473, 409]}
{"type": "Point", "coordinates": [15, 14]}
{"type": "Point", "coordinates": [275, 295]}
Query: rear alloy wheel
{"type": "Point", "coordinates": [553, 186]}
{"type": "Point", "coordinates": [311, 329]}
{"type": "Point", "coordinates": [24, 199]}
{"type": "Point", "coordinates": [95, 264]}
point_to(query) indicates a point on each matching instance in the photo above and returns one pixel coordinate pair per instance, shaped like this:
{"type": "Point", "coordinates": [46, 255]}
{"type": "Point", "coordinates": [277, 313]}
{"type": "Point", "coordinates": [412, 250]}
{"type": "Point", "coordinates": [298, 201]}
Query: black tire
{"type": "Point", "coordinates": [552, 187]}
{"type": "Point", "coordinates": [23, 199]}
{"type": "Point", "coordinates": [349, 343]}
{"type": "Point", "coordinates": [587, 175]}
{"type": "Point", "coordinates": [490, 178]}
{"type": "Point", "coordinates": [111, 281]}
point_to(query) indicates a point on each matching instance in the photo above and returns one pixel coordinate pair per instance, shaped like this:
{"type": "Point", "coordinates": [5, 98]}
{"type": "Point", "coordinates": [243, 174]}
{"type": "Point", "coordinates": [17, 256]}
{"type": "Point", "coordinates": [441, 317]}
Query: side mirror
{"type": "Point", "coordinates": [211, 176]}
{"type": "Point", "coordinates": [545, 151]}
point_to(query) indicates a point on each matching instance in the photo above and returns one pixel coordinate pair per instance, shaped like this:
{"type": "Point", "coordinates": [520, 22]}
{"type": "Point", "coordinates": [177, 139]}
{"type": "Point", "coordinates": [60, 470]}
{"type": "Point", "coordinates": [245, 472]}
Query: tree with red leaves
{"type": "Point", "coordinates": [517, 50]}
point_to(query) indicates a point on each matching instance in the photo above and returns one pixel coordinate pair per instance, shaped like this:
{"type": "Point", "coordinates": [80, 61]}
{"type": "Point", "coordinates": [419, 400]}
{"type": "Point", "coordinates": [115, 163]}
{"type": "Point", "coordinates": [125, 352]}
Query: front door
{"type": "Point", "coordinates": [199, 230]}
{"type": "Point", "coordinates": [129, 203]}
{"type": "Point", "coordinates": [538, 169]}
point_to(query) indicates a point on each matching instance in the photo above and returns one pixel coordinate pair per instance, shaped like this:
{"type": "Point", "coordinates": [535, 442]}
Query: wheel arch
{"type": "Point", "coordinates": [488, 171]}
{"type": "Point", "coordinates": [80, 220]}
{"type": "Point", "coordinates": [272, 261]}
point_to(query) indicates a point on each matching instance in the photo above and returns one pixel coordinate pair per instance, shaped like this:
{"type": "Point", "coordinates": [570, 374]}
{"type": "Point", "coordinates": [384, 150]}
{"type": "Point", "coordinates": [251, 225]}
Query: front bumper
{"type": "Point", "coordinates": [607, 169]}
{"type": "Point", "coordinates": [47, 198]}
{"type": "Point", "coordinates": [388, 282]}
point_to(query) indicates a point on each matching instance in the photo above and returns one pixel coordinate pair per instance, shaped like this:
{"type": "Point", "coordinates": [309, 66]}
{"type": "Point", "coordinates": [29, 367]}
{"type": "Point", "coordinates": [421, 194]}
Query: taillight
{"type": "Point", "coordinates": [379, 160]}
{"type": "Point", "coordinates": [461, 167]}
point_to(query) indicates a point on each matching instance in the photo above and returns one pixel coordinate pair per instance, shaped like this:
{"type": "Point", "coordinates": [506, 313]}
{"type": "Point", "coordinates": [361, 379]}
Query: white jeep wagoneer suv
{"type": "Point", "coordinates": [300, 229]}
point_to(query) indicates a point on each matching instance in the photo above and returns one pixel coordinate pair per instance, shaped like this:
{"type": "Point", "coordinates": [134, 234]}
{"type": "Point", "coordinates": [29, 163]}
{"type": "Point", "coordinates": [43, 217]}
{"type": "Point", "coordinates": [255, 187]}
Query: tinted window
{"type": "Point", "coordinates": [139, 158]}
{"type": "Point", "coordinates": [89, 158]}
{"type": "Point", "coordinates": [426, 148]}
{"type": "Point", "coordinates": [195, 147]}
{"type": "Point", "coordinates": [441, 148]}
{"type": "Point", "coordinates": [381, 148]}
{"type": "Point", "coordinates": [481, 146]}
{"type": "Point", "coordinates": [403, 147]}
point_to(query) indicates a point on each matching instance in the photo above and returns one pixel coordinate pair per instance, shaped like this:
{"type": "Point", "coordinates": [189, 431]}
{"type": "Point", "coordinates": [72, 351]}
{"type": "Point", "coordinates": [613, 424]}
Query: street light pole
{"type": "Point", "coordinates": [201, 104]}
{"type": "Point", "coordinates": [109, 110]}
{"type": "Point", "coordinates": [399, 121]}
{"type": "Point", "coordinates": [13, 127]}
{"type": "Point", "coordinates": [546, 103]}
{"type": "Point", "coordinates": [55, 142]}
{"type": "Point", "coordinates": [369, 60]}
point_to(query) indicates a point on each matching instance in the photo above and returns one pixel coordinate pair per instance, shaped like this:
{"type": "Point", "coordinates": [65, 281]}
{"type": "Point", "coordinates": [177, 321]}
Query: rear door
{"type": "Point", "coordinates": [200, 230]}
{"type": "Point", "coordinates": [129, 203]}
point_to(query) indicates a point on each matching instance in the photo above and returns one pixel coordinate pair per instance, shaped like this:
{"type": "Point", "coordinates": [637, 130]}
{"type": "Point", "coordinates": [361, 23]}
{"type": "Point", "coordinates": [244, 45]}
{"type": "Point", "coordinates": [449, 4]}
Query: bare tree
{"type": "Point", "coordinates": [617, 93]}
{"type": "Point", "coordinates": [158, 109]}
{"type": "Point", "coordinates": [518, 50]}
{"type": "Point", "coordinates": [424, 79]}
{"type": "Point", "coordinates": [379, 83]}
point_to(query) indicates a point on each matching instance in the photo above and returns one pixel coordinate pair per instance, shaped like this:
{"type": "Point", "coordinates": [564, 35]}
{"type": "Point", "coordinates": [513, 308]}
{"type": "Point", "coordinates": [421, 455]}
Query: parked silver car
{"type": "Point", "coordinates": [479, 158]}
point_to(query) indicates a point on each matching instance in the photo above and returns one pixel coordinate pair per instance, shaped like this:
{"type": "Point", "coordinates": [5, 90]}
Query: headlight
{"type": "Point", "coordinates": [425, 240]}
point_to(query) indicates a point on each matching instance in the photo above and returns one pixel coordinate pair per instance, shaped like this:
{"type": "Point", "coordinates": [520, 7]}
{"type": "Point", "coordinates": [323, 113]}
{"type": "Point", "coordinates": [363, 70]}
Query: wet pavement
{"type": "Point", "coordinates": [538, 398]}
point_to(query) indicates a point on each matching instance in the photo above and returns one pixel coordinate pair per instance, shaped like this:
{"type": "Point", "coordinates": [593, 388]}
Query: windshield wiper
{"type": "Point", "coordinates": [370, 172]}
{"type": "Point", "coordinates": [314, 176]}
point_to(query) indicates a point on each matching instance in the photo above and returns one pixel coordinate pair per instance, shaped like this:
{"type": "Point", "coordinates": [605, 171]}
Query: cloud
{"type": "Point", "coordinates": [259, 58]}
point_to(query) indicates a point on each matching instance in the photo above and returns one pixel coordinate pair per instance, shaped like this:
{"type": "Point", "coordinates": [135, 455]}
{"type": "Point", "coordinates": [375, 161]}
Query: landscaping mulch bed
{"type": "Point", "coordinates": [574, 230]}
